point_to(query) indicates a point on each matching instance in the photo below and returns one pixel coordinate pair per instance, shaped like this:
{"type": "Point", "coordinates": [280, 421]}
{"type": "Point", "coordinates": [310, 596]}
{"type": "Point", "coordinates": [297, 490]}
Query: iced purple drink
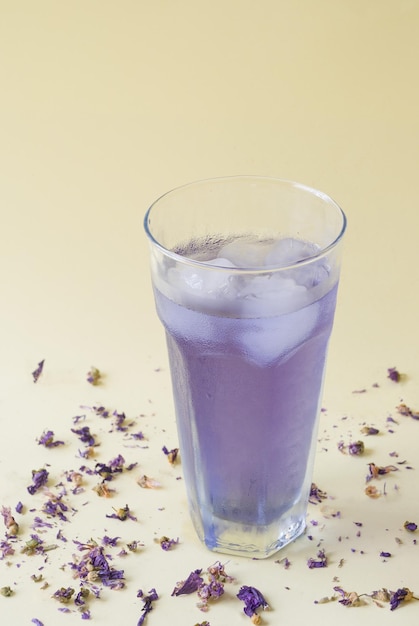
{"type": "Point", "coordinates": [247, 389]}
{"type": "Point", "coordinates": [245, 273]}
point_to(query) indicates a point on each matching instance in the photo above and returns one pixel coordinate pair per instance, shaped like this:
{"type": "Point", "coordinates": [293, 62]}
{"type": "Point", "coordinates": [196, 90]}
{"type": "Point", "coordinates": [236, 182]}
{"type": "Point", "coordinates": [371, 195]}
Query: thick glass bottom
{"type": "Point", "coordinates": [252, 541]}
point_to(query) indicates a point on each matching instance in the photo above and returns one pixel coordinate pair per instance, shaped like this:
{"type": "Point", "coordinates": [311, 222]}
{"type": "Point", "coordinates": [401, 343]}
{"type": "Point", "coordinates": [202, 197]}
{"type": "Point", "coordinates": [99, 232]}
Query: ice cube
{"type": "Point", "coordinates": [288, 251]}
{"type": "Point", "coordinates": [246, 252]}
{"type": "Point", "coordinates": [269, 339]}
{"type": "Point", "coordinates": [193, 284]}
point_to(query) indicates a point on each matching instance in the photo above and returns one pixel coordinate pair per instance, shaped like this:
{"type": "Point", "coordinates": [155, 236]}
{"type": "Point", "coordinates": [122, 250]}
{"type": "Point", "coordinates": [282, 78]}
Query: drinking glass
{"type": "Point", "coordinates": [245, 273]}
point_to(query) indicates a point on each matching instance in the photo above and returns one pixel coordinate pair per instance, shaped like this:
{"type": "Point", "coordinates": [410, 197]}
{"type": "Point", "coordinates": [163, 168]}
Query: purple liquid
{"type": "Point", "coordinates": [247, 402]}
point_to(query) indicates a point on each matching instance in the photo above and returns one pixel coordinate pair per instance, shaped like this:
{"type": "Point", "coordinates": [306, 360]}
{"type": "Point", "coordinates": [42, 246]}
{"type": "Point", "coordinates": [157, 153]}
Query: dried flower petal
{"type": "Point", "coordinates": [94, 566]}
{"type": "Point", "coordinates": [253, 600]}
{"type": "Point", "coordinates": [382, 595]}
{"type": "Point", "coordinates": [316, 494]}
{"type": "Point", "coordinates": [94, 376]}
{"type": "Point", "coordinates": [410, 526]}
{"type": "Point", "coordinates": [166, 543]}
{"type": "Point", "coordinates": [355, 448]}
{"type": "Point", "coordinates": [6, 592]}
{"type": "Point", "coordinates": [171, 454]}
{"type": "Point", "coordinates": [122, 514]}
{"type": "Point", "coordinates": [372, 492]}
{"type": "Point", "coordinates": [320, 561]}
{"type": "Point", "coordinates": [399, 596]}
{"type": "Point", "coordinates": [350, 598]}
{"type": "Point", "coordinates": [84, 435]}
{"type": "Point", "coordinates": [148, 483]}
{"type": "Point", "coordinates": [403, 409]}
{"type": "Point", "coordinates": [64, 594]}
{"type": "Point", "coordinates": [394, 374]}
{"type": "Point", "coordinates": [39, 479]}
{"type": "Point", "coordinates": [148, 603]}
{"type": "Point", "coordinates": [376, 470]}
{"type": "Point", "coordinates": [190, 585]}
{"type": "Point", "coordinates": [369, 430]}
{"type": "Point", "coordinates": [12, 527]}
{"type": "Point", "coordinates": [38, 371]}
{"type": "Point", "coordinates": [47, 440]}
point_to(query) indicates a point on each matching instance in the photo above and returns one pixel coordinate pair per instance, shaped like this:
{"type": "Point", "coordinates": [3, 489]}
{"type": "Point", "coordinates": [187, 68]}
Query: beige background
{"type": "Point", "coordinates": [106, 105]}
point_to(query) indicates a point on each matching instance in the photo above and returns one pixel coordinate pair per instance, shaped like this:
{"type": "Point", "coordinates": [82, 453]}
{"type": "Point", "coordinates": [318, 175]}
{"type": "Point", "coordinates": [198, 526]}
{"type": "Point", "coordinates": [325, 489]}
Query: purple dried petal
{"type": "Point", "coordinates": [148, 603]}
{"type": "Point", "coordinates": [47, 440]}
{"type": "Point", "coordinates": [39, 479]}
{"type": "Point", "coordinates": [411, 526]}
{"type": "Point", "coordinates": [171, 454]}
{"type": "Point", "coordinates": [84, 435]}
{"type": "Point", "coordinates": [64, 594]}
{"type": "Point", "coordinates": [369, 430]}
{"type": "Point", "coordinates": [37, 622]}
{"type": "Point", "coordinates": [320, 561]}
{"type": "Point", "coordinates": [110, 541]}
{"type": "Point", "coordinates": [252, 598]}
{"type": "Point", "coordinates": [316, 494]}
{"type": "Point", "coordinates": [9, 521]}
{"type": "Point", "coordinates": [36, 373]}
{"type": "Point", "coordinates": [393, 374]}
{"type": "Point", "coordinates": [6, 549]}
{"type": "Point", "coordinates": [385, 555]}
{"type": "Point", "coordinates": [190, 585]}
{"type": "Point", "coordinates": [94, 376]}
{"type": "Point", "coordinates": [122, 514]}
{"type": "Point", "coordinates": [166, 543]}
{"type": "Point", "coordinates": [399, 596]}
{"type": "Point", "coordinates": [356, 448]}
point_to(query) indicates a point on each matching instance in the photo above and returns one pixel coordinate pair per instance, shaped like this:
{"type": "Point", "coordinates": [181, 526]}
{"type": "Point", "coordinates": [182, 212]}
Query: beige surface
{"type": "Point", "coordinates": [103, 107]}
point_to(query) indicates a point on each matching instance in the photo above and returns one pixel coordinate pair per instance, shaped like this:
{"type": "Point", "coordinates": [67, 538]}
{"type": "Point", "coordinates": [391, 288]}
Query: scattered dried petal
{"type": "Point", "coordinates": [6, 592]}
{"type": "Point", "coordinates": [369, 430]}
{"type": "Point", "coordinates": [320, 561]}
{"type": "Point", "coordinates": [171, 454]}
{"type": "Point", "coordinates": [410, 526]}
{"type": "Point", "coordinates": [354, 448]}
{"type": "Point", "coordinates": [394, 374]}
{"type": "Point", "coordinates": [400, 596]}
{"type": "Point", "coordinates": [372, 492]}
{"type": "Point", "coordinates": [148, 603]}
{"type": "Point", "coordinates": [94, 376]}
{"type": "Point", "coordinates": [316, 494]}
{"type": "Point", "coordinates": [148, 483]}
{"type": "Point", "coordinates": [64, 594]}
{"type": "Point", "coordinates": [253, 600]}
{"type": "Point", "coordinates": [47, 440]}
{"type": "Point", "coordinates": [166, 543]}
{"type": "Point", "coordinates": [190, 585]}
{"type": "Point", "coordinates": [38, 371]}
{"type": "Point", "coordinates": [39, 479]}
{"type": "Point", "coordinates": [403, 409]}
{"type": "Point", "coordinates": [376, 470]}
{"type": "Point", "coordinates": [12, 527]}
{"type": "Point", "coordinates": [348, 598]}
{"type": "Point", "coordinates": [122, 514]}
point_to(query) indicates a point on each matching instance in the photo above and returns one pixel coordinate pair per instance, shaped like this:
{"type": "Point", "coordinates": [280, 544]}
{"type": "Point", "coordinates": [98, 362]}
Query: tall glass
{"type": "Point", "coordinates": [245, 273]}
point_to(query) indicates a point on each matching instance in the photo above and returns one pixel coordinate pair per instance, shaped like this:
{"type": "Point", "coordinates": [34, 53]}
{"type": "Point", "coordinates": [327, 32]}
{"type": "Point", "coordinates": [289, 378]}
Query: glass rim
{"type": "Point", "coordinates": [247, 270]}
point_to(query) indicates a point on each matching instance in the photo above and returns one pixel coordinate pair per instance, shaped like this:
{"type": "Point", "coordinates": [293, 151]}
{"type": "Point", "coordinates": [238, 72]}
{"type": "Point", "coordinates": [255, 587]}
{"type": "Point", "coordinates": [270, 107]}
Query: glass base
{"type": "Point", "coordinates": [252, 541]}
